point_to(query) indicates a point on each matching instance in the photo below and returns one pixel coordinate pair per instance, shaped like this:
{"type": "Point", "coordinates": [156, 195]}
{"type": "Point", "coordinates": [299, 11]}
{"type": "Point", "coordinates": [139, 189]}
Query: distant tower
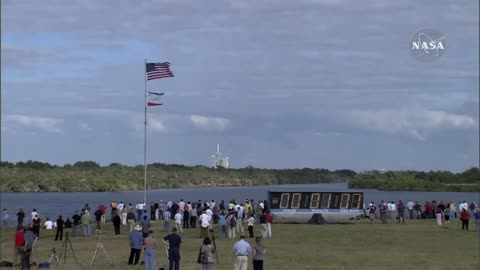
{"type": "Point", "coordinates": [219, 160]}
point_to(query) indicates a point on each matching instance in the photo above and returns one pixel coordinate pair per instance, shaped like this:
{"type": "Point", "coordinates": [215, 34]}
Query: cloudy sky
{"type": "Point", "coordinates": [279, 84]}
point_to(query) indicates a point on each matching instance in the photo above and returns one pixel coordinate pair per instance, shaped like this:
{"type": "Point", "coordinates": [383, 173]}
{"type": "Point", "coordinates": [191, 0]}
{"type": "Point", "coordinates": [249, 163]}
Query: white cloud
{"type": "Point", "coordinates": [36, 122]}
{"type": "Point", "coordinates": [85, 126]}
{"type": "Point", "coordinates": [156, 125]}
{"type": "Point", "coordinates": [412, 122]}
{"type": "Point", "coordinates": [209, 123]}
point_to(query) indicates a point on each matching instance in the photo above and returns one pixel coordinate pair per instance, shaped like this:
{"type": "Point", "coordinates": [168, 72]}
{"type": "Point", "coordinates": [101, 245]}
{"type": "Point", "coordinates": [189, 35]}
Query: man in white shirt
{"type": "Point", "coordinates": [48, 225]}
{"type": "Point", "coordinates": [410, 205]}
{"type": "Point", "coordinates": [212, 204]}
{"type": "Point", "coordinates": [204, 224]}
{"type": "Point", "coordinates": [181, 205]}
{"type": "Point", "coordinates": [34, 213]}
{"type": "Point", "coordinates": [393, 209]}
{"type": "Point", "coordinates": [210, 215]}
{"type": "Point", "coordinates": [178, 221]}
{"type": "Point", "coordinates": [120, 207]}
{"type": "Point", "coordinates": [139, 208]}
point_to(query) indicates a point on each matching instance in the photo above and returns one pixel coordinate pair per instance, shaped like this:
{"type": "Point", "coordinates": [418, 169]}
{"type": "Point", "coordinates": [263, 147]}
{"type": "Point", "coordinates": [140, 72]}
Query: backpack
{"type": "Point", "coordinates": [233, 222]}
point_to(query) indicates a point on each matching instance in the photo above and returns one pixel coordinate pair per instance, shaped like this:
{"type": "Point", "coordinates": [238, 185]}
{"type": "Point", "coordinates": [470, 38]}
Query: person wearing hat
{"type": "Point", "coordinates": [241, 249]}
{"type": "Point", "coordinates": [136, 243]}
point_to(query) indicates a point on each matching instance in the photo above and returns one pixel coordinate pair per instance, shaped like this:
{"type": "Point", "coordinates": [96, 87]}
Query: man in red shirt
{"type": "Point", "coordinates": [19, 245]}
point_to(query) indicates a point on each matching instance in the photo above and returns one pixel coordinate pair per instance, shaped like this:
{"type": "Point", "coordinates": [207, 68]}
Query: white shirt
{"type": "Point", "coordinates": [209, 213]}
{"type": "Point", "coordinates": [262, 205]}
{"type": "Point", "coordinates": [393, 206]}
{"type": "Point", "coordinates": [250, 221]}
{"type": "Point", "coordinates": [120, 207]}
{"type": "Point", "coordinates": [212, 205]}
{"type": "Point", "coordinates": [178, 218]}
{"type": "Point", "coordinates": [239, 212]}
{"type": "Point", "coordinates": [34, 214]}
{"type": "Point", "coordinates": [205, 219]}
{"type": "Point", "coordinates": [181, 205]}
{"type": "Point", "coordinates": [139, 206]}
{"type": "Point", "coordinates": [48, 224]}
{"type": "Point", "coordinates": [410, 205]}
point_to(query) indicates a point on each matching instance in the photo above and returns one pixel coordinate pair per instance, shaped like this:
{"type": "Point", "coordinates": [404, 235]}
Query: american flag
{"type": "Point", "coordinates": [158, 70]}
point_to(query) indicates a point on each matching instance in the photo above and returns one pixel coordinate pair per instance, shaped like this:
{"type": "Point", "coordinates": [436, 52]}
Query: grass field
{"type": "Point", "coordinates": [359, 245]}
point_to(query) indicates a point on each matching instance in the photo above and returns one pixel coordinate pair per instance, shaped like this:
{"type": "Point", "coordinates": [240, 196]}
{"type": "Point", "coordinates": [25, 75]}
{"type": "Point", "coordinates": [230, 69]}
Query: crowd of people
{"type": "Point", "coordinates": [444, 213]}
{"type": "Point", "coordinates": [231, 218]}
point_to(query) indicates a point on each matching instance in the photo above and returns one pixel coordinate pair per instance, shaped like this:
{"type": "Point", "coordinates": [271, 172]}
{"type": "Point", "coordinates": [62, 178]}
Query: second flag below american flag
{"type": "Point", "coordinates": [154, 99]}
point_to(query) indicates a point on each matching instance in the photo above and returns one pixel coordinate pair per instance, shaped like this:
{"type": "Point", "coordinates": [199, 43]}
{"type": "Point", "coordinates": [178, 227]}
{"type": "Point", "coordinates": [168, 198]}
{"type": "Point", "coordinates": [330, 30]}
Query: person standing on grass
{"type": "Point", "coordinates": [383, 212]}
{"type": "Point", "coordinates": [371, 212]}
{"type": "Point", "coordinates": [258, 253]}
{"type": "Point", "coordinates": [116, 220]}
{"type": "Point", "coordinates": [150, 245]}
{"type": "Point", "coordinates": [5, 219]}
{"type": "Point", "coordinates": [263, 225]}
{"type": "Point", "coordinates": [193, 216]}
{"type": "Point", "coordinates": [453, 212]}
{"type": "Point", "coordinates": [241, 249]}
{"type": "Point", "coordinates": [186, 215]}
{"type": "Point", "coordinates": [19, 246]}
{"type": "Point", "coordinates": [76, 224]}
{"type": "Point", "coordinates": [207, 255]}
{"type": "Point", "coordinates": [464, 217]}
{"type": "Point", "coordinates": [173, 241]}
{"type": "Point", "coordinates": [36, 225]}
{"type": "Point", "coordinates": [98, 218]}
{"type": "Point", "coordinates": [231, 224]}
{"type": "Point", "coordinates": [145, 223]}
{"type": "Point", "coordinates": [223, 223]}
{"type": "Point", "coordinates": [20, 218]}
{"type": "Point", "coordinates": [269, 220]}
{"type": "Point", "coordinates": [250, 222]}
{"type": "Point", "coordinates": [166, 221]}
{"type": "Point", "coordinates": [204, 224]}
{"type": "Point", "coordinates": [136, 242]}
{"type": "Point", "coordinates": [87, 224]}
{"type": "Point", "coordinates": [446, 213]}
{"type": "Point", "coordinates": [477, 219]}
{"type": "Point", "coordinates": [178, 221]}
{"type": "Point", "coordinates": [30, 240]}
{"type": "Point", "coordinates": [131, 219]}
{"type": "Point", "coordinates": [401, 212]}
{"type": "Point", "coordinates": [60, 225]}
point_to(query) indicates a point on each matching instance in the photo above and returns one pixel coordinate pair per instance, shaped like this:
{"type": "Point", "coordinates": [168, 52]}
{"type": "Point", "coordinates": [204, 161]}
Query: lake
{"type": "Point", "coordinates": [52, 204]}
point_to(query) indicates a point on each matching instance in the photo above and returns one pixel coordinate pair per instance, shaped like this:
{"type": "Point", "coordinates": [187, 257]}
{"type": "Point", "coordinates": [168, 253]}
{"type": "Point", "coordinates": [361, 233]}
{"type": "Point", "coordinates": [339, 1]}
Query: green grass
{"type": "Point", "coordinates": [360, 245]}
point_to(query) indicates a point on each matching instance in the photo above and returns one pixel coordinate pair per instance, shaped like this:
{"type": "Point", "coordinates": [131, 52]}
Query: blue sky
{"type": "Point", "coordinates": [279, 84]}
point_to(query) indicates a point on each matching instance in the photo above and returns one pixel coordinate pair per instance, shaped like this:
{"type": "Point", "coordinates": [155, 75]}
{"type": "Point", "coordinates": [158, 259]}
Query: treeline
{"type": "Point", "coordinates": [467, 181]}
{"type": "Point", "coordinates": [32, 176]}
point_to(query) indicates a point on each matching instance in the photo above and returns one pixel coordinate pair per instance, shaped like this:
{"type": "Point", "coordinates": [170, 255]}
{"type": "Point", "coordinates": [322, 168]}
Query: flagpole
{"type": "Point", "coordinates": [145, 141]}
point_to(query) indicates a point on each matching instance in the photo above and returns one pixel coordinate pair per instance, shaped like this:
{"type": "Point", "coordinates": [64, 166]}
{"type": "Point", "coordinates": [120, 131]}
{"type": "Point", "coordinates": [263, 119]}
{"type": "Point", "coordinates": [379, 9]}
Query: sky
{"type": "Point", "coordinates": [278, 84]}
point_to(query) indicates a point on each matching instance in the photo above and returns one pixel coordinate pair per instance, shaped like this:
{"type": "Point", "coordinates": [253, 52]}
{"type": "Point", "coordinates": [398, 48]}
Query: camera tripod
{"type": "Point", "coordinates": [215, 246]}
{"type": "Point", "coordinates": [100, 246]}
{"type": "Point", "coordinates": [54, 257]}
{"type": "Point", "coordinates": [63, 251]}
